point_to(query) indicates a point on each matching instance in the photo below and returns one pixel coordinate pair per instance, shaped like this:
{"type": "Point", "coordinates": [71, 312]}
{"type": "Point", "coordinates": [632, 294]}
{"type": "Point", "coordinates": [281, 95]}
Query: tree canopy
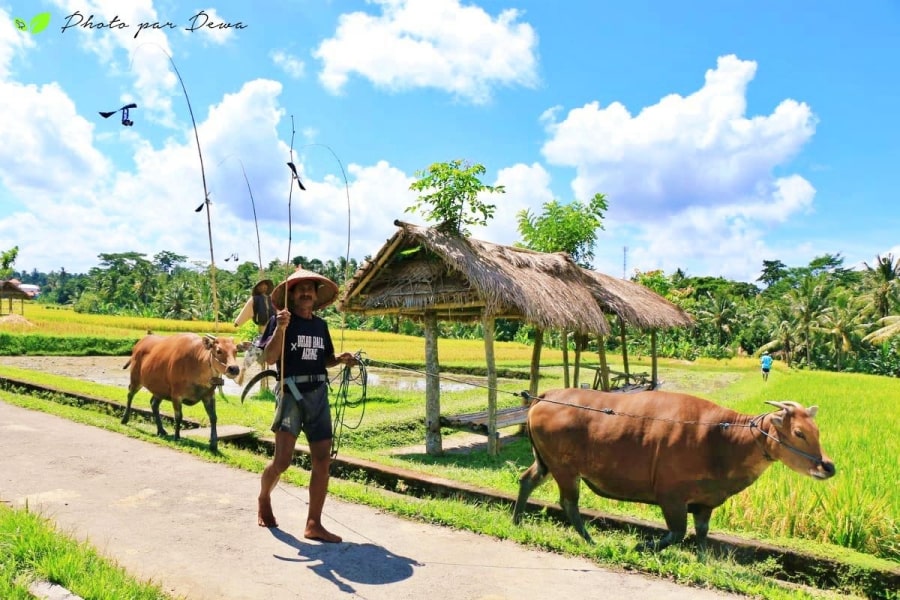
{"type": "Point", "coordinates": [454, 188]}
{"type": "Point", "coordinates": [568, 228]}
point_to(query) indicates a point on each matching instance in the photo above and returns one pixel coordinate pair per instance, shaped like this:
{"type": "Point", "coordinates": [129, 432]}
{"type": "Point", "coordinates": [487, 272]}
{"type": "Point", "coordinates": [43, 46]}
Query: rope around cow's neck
{"type": "Point", "coordinates": [815, 460]}
{"type": "Point", "coordinates": [215, 380]}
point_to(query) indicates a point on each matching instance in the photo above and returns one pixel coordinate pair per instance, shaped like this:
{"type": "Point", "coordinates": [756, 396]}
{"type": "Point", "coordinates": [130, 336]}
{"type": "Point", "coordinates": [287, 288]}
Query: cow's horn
{"type": "Point", "coordinates": [787, 406]}
{"type": "Point", "coordinates": [210, 337]}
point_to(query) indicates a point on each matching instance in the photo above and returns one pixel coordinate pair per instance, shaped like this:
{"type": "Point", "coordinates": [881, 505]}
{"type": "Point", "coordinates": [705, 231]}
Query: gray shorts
{"type": "Point", "coordinates": [309, 414]}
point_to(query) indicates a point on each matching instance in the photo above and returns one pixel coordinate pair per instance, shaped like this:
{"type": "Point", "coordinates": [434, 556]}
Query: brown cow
{"type": "Point", "coordinates": [680, 452]}
{"type": "Point", "coordinates": [184, 368]}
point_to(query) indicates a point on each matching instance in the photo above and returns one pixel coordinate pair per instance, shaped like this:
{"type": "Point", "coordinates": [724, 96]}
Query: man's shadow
{"type": "Point", "coordinates": [368, 564]}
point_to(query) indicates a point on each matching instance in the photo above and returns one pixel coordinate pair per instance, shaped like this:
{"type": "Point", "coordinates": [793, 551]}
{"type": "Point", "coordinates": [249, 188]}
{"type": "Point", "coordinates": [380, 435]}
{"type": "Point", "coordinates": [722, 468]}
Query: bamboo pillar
{"type": "Point", "coordinates": [604, 366]}
{"type": "Point", "coordinates": [493, 435]}
{"type": "Point", "coordinates": [653, 370]}
{"type": "Point", "coordinates": [535, 374]}
{"type": "Point", "coordinates": [576, 371]}
{"type": "Point", "coordinates": [564, 340]}
{"type": "Point", "coordinates": [624, 346]}
{"type": "Point", "coordinates": [432, 387]}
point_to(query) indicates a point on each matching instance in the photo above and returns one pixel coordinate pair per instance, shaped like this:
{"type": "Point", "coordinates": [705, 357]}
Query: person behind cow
{"type": "Point", "coordinates": [258, 306]}
{"type": "Point", "coordinates": [300, 344]}
{"type": "Point", "coordinates": [765, 362]}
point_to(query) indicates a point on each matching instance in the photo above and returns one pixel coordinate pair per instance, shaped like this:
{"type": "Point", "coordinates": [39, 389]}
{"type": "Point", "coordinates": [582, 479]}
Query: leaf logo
{"type": "Point", "coordinates": [37, 25]}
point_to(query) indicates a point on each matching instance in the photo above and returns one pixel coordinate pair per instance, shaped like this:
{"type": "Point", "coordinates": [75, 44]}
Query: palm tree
{"type": "Point", "coordinates": [807, 301]}
{"type": "Point", "coordinates": [842, 321]}
{"type": "Point", "coordinates": [890, 326]}
{"type": "Point", "coordinates": [782, 324]}
{"type": "Point", "coordinates": [718, 312]}
{"type": "Point", "coordinates": [885, 278]}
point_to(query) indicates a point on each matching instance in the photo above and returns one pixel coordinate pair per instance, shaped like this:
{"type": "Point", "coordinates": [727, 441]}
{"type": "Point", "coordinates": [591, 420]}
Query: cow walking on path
{"type": "Point", "coordinates": [185, 368]}
{"type": "Point", "coordinates": [680, 452]}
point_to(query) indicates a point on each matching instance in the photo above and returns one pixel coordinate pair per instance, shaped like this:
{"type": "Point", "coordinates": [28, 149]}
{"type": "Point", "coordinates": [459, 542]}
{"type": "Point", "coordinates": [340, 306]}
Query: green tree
{"type": "Point", "coordinates": [124, 281]}
{"type": "Point", "coordinates": [7, 259]}
{"type": "Point", "coordinates": [773, 271]}
{"type": "Point", "coordinates": [453, 197]}
{"type": "Point", "coordinates": [781, 322]}
{"type": "Point", "coordinates": [884, 284]}
{"type": "Point", "coordinates": [568, 228]}
{"type": "Point", "coordinates": [841, 322]}
{"type": "Point", "coordinates": [719, 313]}
{"type": "Point", "coordinates": [166, 261]}
{"type": "Point", "coordinates": [808, 301]}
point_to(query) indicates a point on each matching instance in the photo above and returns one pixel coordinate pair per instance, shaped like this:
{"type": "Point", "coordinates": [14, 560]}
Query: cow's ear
{"type": "Point", "coordinates": [811, 411]}
{"type": "Point", "coordinates": [778, 420]}
{"type": "Point", "coordinates": [209, 340]}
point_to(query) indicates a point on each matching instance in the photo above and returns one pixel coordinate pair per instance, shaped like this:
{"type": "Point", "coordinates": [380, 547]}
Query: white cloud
{"type": "Point", "coordinates": [288, 63]}
{"type": "Point", "coordinates": [12, 41]}
{"type": "Point", "coordinates": [437, 44]}
{"type": "Point", "coordinates": [83, 209]}
{"type": "Point", "coordinates": [50, 150]}
{"type": "Point", "coordinates": [693, 176]}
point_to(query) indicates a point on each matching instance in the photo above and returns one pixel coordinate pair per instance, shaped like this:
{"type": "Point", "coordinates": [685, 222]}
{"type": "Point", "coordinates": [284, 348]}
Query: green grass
{"type": "Point", "coordinates": [32, 549]}
{"type": "Point", "coordinates": [854, 517]}
{"type": "Point", "coordinates": [612, 548]}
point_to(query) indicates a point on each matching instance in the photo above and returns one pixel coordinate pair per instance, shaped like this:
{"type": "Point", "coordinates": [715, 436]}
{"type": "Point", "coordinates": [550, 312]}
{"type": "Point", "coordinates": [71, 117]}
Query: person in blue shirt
{"type": "Point", "coordinates": [766, 363]}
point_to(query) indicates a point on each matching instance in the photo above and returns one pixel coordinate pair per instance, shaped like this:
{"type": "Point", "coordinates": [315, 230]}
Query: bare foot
{"type": "Point", "coordinates": [315, 531]}
{"type": "Point", "coordinates": [265, 517]}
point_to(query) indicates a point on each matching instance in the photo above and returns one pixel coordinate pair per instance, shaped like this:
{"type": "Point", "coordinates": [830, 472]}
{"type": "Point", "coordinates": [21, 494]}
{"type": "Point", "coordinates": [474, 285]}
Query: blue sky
{"type": "Point", "coordinates": [723, 134]}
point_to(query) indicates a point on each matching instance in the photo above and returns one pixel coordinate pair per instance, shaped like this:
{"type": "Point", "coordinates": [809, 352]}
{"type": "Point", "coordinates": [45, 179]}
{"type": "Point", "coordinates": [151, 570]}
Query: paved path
{"type": "Point", "coordinates": [190, 526]}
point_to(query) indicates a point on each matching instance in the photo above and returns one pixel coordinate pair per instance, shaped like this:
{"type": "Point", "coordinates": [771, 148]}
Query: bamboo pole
{"type": "Point", "coordinates": [432, 387]}
{"type": "Point", "coordinates": [493, 434]}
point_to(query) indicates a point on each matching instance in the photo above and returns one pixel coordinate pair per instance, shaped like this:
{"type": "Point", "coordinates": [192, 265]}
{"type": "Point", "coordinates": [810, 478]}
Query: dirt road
{"type": "Point", "coordinates": [191, 526]}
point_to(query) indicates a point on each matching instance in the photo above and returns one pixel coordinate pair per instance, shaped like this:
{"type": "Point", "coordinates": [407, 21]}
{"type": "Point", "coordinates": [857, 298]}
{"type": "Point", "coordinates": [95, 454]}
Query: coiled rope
{"type": "Point", "coordinates": [349, 374]}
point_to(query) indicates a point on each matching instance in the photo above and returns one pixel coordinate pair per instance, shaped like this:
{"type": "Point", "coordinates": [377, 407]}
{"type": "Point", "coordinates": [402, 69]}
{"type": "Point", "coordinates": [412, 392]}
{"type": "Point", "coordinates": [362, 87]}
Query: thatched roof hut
{"type": "Point", "coordinates": [426, 269]}
{"type": "Point", "coordinates": [10, 289]}
{"type": "Point", "coordinates": [431, 273]}
{"type": "Point", "coordinates": [638, 306]}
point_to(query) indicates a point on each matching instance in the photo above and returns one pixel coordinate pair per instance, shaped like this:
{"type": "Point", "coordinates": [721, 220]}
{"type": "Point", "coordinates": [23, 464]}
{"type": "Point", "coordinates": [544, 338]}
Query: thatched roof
{"type": "Point", "coordinates": [637, 304]}
{"type": "Point", "coordinates": [10, 289]}
{"type": "Point", "coordinates": [423, 269]}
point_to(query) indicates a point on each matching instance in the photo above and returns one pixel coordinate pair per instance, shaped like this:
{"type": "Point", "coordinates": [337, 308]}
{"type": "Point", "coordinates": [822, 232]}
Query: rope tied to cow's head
{"type": "Point", "coordinates": [215, 380]}
{"type": "Point", "coordinates": [756, 423]}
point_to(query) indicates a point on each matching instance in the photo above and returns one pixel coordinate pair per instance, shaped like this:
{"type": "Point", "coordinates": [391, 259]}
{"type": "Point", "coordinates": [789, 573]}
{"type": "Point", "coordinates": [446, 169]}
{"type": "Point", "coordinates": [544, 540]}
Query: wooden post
{"type": "Point", "coordinates": [432, 387]}
{"type": "Point", "coordinates": [576, 371]}
{"type": "Point", "coordinates": [564, 340]}
{"type": "Point", "coordinates": [535, 374]}
{"type": "Point", "coordinates": [653, 370]}
{"type": "Point", "coordinates": [604, 366]}
{"type": "Point", "coordinates": [493, 435]}
{"type": "Point", "coordinates": [624, 346]}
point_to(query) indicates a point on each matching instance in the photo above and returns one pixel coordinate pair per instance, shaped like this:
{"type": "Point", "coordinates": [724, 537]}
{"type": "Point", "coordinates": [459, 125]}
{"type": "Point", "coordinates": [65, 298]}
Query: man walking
{"type": "Point", "coordinates": [299, 343]}
{"type": "Point", "coordinates": [765, 362]}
